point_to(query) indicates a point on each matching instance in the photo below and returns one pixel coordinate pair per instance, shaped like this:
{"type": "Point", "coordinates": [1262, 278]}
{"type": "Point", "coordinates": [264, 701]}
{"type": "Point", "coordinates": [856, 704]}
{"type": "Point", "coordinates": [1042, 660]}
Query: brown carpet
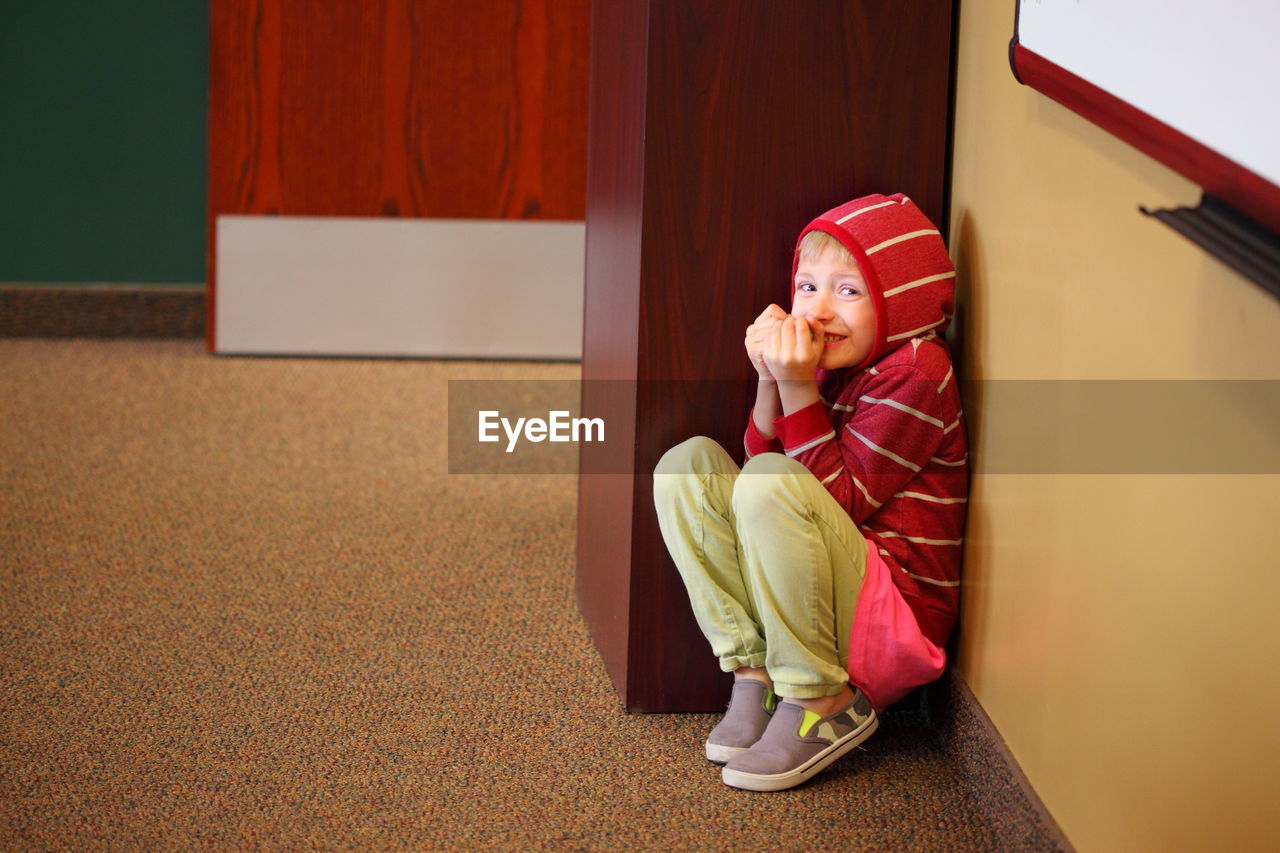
{"type": "Point", "coordinates": [244, 606]}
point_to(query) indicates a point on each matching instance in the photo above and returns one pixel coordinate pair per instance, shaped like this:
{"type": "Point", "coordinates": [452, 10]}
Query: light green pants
{"type": "Point", "coordinates": [772, 563]}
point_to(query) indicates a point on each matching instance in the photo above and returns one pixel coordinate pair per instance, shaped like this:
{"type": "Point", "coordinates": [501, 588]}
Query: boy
{"type": "Point", "coordinates": [826, 570]}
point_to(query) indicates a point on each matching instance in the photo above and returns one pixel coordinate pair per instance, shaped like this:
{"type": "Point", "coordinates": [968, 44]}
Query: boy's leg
{"type": "Point", "coordinates": [692, 490]}
{"type": "Point", "coordinates": [804, 559]}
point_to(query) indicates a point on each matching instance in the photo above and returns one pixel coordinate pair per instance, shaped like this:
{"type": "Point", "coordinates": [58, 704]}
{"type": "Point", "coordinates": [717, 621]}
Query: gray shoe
{"type": "Point", "coordinates": [798, 745]}
{"type": "Point", "coordinates": [750, 706]}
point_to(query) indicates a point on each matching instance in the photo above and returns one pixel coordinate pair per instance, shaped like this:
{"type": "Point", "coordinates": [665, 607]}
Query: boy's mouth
{"type": "Point", "coordinates": [833, 340]}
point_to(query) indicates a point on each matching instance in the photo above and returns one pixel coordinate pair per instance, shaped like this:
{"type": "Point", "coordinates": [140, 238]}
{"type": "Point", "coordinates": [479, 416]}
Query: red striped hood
{"type": "Point", "coordinates": [903, 261]}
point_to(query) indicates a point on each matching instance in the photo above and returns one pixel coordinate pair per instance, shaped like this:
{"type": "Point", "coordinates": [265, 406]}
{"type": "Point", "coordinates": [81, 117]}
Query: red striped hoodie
{"type": "Point", "coordinates": [887, 438]}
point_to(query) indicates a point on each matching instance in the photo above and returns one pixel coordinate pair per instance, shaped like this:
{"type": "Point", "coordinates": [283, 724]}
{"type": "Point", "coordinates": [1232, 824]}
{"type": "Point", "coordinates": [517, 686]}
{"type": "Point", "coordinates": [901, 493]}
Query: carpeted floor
{"type": "Point", "coordinates": [244, 606]}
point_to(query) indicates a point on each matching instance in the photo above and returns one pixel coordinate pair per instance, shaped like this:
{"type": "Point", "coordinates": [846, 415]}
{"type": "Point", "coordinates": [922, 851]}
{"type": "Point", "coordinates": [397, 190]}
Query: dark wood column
{"type": "Point", "coordinates": [717, 129]}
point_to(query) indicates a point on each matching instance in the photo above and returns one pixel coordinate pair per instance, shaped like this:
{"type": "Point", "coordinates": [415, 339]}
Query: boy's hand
{"type": "Point", "coordinates": [758, 335]}
{"type": "Point", "coordinates": [794, 349]}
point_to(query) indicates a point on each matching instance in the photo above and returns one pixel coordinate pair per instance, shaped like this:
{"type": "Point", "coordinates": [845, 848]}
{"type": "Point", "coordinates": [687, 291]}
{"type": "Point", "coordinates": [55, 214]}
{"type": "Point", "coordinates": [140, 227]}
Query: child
{"type": "Point", "coordinates": [826, 570]}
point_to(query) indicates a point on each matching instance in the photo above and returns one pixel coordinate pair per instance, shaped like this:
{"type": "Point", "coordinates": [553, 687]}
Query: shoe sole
{"type": "Point", "coordinates": [806, 771]}
{"type": "Point", "coordinates": [718, 754]}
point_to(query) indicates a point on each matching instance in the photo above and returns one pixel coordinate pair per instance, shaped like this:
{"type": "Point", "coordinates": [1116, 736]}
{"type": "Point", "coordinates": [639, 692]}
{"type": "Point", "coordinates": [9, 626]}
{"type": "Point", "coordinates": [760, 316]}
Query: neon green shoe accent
{"type": "Point", "coordinates": [810, 718]}
{"type": "Point", "coordinates": [770, 700]}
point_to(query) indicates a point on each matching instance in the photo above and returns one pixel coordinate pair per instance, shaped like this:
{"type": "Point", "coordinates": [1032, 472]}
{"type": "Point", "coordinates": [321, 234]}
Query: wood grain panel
{"type": "Point", "coordinates": [611, 323]}
{"type": "Point", "coordinates": [757, 117]}
{"type": "Point", "coordinates": [423, 108]}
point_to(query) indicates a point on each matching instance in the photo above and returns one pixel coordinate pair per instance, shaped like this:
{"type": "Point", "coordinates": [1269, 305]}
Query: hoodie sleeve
{"type": "Point", "coordinates": [755, 443]}
{"type": "Point", "coordinates": [895, 428]}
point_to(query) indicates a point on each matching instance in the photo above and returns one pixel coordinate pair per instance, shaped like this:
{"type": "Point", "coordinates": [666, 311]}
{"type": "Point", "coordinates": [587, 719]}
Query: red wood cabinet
{"type": "Point", "coordinates": [424, 108]}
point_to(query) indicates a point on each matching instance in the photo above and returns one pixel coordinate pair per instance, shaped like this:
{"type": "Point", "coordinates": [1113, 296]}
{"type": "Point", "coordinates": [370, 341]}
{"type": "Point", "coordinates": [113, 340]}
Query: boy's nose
{"type": "Point", "coordinates": [820, 309]}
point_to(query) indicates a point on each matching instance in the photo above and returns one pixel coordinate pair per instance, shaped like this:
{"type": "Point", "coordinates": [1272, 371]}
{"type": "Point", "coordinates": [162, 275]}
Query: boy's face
{"type": "Point", "coordinates": [832, 291]}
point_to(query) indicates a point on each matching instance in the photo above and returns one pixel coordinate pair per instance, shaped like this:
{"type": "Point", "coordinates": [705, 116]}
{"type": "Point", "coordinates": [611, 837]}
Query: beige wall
{"type": "Point", "coordinates": [1121, 630]}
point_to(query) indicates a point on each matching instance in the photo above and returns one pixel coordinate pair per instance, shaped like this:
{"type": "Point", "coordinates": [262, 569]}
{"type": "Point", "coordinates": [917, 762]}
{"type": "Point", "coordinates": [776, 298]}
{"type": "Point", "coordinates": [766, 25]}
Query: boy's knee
{"type": "Point", "coordinates": [773, 463]}
{"type": "Point", "coordinates": [696, 455]}
{"type": "Point", "coordinates": [767, 481]}
{"type": "Point", "coordinates": [679, 471]}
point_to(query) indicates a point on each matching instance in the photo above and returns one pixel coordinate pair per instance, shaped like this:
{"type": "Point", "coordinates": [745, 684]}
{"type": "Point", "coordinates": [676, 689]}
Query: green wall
{"type": "Point", "coordinates": [102, 141]}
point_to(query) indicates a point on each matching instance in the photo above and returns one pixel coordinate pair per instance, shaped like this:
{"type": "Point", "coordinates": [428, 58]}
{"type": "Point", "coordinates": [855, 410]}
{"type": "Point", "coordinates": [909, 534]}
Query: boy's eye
{"type": "Point", "coordinates": [805, 286]}
{"type": "Point", "coordinates": [850, 290]}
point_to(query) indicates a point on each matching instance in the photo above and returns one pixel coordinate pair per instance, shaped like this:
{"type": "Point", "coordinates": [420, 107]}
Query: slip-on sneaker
{"type": "Point", "coordinates": [798, 745]}
{"type": "Point", "coordinates": [751, 706]}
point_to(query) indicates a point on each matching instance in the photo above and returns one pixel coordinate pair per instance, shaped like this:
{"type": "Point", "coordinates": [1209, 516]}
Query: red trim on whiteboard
{"type": "Point", "coordinates": [1225, 179]}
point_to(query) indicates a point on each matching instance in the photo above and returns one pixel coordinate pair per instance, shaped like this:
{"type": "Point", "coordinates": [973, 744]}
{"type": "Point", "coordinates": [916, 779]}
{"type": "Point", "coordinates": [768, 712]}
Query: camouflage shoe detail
{"type": "Point", "coordinates": [751, 706]}
{"type": "Point", "coordinates": [798, 745]}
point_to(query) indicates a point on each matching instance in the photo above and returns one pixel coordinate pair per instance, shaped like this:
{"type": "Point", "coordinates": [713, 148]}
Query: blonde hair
{"type": "Point", "coordinates": [815, 244]}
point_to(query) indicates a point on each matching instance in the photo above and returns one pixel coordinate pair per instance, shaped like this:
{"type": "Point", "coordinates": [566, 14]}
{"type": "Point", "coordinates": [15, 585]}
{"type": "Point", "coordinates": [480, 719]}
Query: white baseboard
{"type": "Point", "coordinates": [303, 285]}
